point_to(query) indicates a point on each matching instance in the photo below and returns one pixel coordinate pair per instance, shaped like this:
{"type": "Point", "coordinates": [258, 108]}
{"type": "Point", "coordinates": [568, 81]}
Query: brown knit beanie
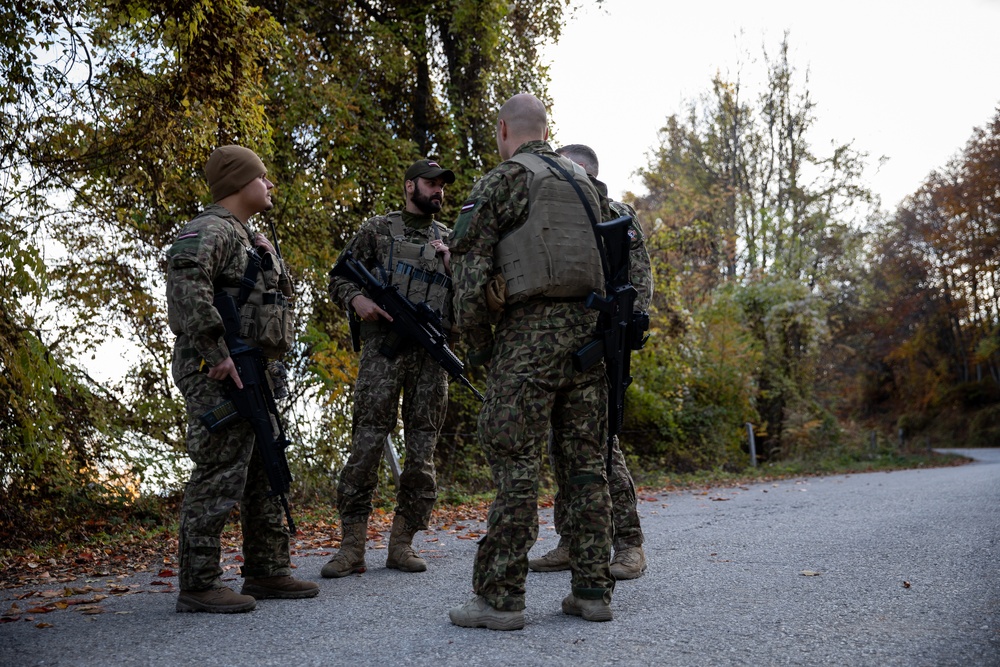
{"type": "Point", "coordinates": [229, 168]}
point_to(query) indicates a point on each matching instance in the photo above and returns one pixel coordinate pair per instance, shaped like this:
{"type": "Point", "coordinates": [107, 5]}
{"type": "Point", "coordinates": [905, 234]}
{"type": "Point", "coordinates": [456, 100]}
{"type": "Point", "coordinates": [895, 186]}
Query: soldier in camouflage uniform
{"type": "Point", "coordinates": [629, 561]}
{"type": "Point", "coordinates": [532, 386]}
{"type": "Point", "coordinates": [211, 254]}
{"type": "Point", "coordinates": [412, 248]}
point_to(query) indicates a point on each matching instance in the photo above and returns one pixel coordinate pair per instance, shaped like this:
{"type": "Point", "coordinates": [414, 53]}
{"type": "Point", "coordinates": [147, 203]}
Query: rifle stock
{"type": "Point", "coordinates": [410, 321]}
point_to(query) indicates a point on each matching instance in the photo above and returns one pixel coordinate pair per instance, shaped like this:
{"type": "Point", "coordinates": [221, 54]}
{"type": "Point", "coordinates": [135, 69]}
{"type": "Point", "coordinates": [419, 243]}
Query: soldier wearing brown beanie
{"type": "Point", "coordinates": [211, 254]}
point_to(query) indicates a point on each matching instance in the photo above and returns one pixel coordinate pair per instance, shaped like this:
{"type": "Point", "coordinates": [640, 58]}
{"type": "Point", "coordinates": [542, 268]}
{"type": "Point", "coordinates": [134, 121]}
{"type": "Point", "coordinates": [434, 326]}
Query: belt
{"type": "Point", "coordinates": [546, 299]}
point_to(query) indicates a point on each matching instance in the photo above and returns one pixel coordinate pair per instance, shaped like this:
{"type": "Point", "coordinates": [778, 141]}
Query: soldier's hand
{"type": "Point", "coordinates": [443, 250]}
{"type": "Point", "coordinates": [368, 310]}
{"type": "Point", "coordinates": [261, 242]}
{"type": "Point", "coordinates": [225, 369]}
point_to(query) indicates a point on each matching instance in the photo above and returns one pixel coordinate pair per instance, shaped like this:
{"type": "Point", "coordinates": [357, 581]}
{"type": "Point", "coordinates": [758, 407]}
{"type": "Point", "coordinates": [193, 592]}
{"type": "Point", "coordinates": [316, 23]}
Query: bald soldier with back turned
{"type": "Point", "coordinates": [524, 237]}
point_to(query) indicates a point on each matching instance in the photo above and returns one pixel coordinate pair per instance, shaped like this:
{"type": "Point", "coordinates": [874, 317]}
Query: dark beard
{"type": "Point", "coordinates": [427, 205]}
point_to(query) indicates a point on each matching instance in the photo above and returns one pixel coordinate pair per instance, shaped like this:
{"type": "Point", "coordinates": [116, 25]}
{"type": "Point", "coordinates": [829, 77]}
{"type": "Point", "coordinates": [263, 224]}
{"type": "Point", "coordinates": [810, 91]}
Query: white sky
{"type": "Point", "coordinates": [907, 79]}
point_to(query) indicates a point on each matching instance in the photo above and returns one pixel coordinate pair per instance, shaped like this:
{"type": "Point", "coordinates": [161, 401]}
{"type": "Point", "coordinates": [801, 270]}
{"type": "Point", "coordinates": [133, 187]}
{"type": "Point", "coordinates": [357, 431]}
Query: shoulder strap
{"type": "Point", "coordinates": [396, 227]}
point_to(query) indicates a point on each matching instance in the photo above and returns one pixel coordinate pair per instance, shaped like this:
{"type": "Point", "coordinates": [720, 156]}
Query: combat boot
{"type": "Point", "coordinates": [283, 587]}
{"type": "Point", "coordinates": [628, 563]}
{"type": "Point", "coordinates": [401, 554]}
{"type": "Point", "coordinates": [589, 610]}
{"type": "Point", "coordinates": [478, 613]}
{"type": "Point", "coordinates": [556, 560]}
{"type": "Point", "coordinates": [350, 559]}
{"type": "Point", "coordinates": [219, 600]}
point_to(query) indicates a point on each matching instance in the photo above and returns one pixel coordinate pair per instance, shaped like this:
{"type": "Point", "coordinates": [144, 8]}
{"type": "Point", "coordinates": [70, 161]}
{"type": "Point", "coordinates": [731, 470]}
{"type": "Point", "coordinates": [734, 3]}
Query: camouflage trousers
{"type": "Point", "coordinates": [227, 471]}
{"type": "Point", "coordinates": [624, 510]}
{"type": "Point", "coordinates": [532, 390]}
{"type": "Point", "coordinates": [424, 386]}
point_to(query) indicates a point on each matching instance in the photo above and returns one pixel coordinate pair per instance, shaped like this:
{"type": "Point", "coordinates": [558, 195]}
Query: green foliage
{"type": "Point", "coordinates": [693, 394]}
{"type": "Point", "coordinates": [114, 108]}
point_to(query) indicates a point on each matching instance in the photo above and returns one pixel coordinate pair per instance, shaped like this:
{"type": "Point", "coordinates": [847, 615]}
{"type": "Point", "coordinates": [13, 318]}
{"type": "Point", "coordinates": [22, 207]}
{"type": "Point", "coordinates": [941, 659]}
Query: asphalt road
{"type": "Point", "coordinates": [872, 569]}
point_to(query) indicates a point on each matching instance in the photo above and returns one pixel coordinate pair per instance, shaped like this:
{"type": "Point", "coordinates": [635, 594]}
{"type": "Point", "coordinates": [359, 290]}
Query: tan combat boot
{"type": "Point", "coordinates": [350, 558]}
{"type": "Point", "coordinates": [556, 560]}
{"type": "Point", "coordinates": [478, 613]}
{"type": "Point", "coordinates": [401, 554]}
{"type": "Point", "coordinates": [589, 610]}
{"type": "Point", "coordinates": [628, 563]}
{"type": "Point", "coordinates": [282, 587]}
{"type": "Point", "coordinates": [219, 600]}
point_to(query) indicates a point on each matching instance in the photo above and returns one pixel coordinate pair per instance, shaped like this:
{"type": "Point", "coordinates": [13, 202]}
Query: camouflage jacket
{"type": "Point", "coordinates": [370, 246]}
{"type": "Point", "coordinates": [640, 268]}
{"type": "Point", "coordinates": [209, 253]}
{"type": "Point", "coordinates": [497, 205]}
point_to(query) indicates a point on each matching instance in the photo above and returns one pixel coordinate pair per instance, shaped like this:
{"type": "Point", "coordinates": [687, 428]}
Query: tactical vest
{"type": "Point", "coordinates": [417, 269]}
{"type": "Point", "coordinates": [265, 302]}
{"type": "Point", "coordinates": [554, 254]}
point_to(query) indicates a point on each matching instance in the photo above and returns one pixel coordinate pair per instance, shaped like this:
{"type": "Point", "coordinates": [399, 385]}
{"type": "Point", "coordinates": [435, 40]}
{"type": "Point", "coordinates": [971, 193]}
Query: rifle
{"type": "Point", "coordinates": [254, 403]}
{"type": "Point", "coordinates": [620, 328]}
{"type": "Point", "coordinates": [410, 321]}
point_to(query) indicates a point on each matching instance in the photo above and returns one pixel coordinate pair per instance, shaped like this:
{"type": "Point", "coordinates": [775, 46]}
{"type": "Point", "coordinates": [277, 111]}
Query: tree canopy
{"type": "Point", "coordinates": [109, 112]}
{"type": "Point", "coordinates": [786, 299]}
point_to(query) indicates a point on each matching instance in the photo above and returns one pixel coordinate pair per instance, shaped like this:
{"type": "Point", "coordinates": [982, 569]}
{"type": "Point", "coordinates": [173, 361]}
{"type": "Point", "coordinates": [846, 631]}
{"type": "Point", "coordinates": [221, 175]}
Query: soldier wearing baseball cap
{"type": "Point", "coordinates": [411, 248]}
{"type": "Point", "coordinates": [430, 170]}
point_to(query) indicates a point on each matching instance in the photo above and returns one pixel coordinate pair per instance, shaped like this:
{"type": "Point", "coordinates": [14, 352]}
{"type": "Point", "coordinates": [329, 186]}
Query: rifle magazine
{"type": "Point", "coordinates": [220, 417]}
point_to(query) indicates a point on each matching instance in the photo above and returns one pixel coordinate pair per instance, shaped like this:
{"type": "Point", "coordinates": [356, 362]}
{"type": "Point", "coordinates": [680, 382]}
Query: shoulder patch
{"type": "Point", "coordinates": [465, 215]}
{"type": "Point", "coordinates": [186, 243]}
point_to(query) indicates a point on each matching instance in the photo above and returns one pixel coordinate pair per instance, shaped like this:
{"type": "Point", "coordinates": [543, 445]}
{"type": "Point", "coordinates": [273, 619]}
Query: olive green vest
{"type": "Point", "coordinates": [554, 254]}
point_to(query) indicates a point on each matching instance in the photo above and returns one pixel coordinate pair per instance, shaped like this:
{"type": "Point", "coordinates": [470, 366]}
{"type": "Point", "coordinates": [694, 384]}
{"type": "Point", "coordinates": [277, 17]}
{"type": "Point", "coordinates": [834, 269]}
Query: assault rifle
{"type": "Point", "coordinates": [410, 321]}
{"type": "Point", "coordinates": [254, 403]}
{"type": "Point", "coordinates": [620, 328]}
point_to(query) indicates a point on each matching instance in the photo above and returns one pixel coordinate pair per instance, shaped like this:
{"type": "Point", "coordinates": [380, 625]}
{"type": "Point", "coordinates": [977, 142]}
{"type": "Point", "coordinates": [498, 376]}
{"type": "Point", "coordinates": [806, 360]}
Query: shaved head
{"type": "Point", "coordinates": [521, 119]}
{"type": "Point", "coordinates": [525, 116]}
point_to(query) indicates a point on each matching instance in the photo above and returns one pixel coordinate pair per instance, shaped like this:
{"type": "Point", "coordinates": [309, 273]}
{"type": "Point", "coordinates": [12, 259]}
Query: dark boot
{"type": "Point", "coordinates": [284, 587]}
{"type": "Point", "coordinates": [220, 600]}
{"type": "Point", "coordinates": [351, 556]}
{"type": "Point", "coordinates": [401, 554]}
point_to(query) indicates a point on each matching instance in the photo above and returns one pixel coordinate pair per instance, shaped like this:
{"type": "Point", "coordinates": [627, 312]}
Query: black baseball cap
{"type": "Point", "coordinates": [428, 169]}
